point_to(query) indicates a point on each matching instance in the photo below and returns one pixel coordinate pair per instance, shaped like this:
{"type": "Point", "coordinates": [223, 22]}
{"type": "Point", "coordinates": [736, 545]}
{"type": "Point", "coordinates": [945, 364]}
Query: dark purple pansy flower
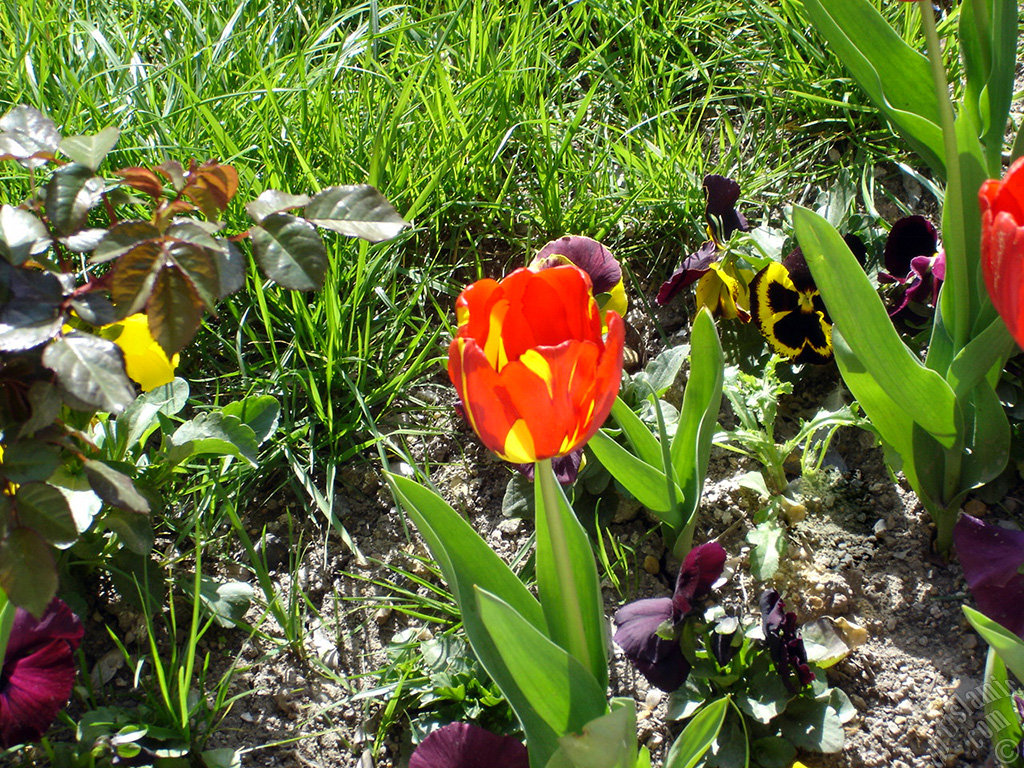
{"type": "Point", "coordinates": [464, 745]}
{"type": "Point", "coordinates": [993, 563]}
{"type": "Point", "coordinates": [38, 672]}
{"type": "Point", "coordinates": [566, 468]}
{"type": "Point", "coordinates": [723, 219]}
{"type": "Point", "coordinates": [914, 261]}
{"type": "Point", "coordinates": [784, 644]}
{"type": "Point", "coordinates": [658, 659]}
{"type": "Point", "coordinates": [587, 254]}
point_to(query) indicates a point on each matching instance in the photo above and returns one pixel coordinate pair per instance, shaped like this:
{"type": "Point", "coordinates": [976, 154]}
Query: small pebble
{"type": "Point", "coordinates": [970, 642]}
{"type": "Point", "coordinates": [651, 565]}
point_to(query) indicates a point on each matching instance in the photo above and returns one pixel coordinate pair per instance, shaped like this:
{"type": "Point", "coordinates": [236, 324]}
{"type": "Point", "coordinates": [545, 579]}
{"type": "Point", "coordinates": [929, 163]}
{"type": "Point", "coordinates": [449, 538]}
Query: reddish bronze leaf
{"type": "Point", "coordinates": [143, 180]}
{"type": "Point", "coordinates": [174, 310]}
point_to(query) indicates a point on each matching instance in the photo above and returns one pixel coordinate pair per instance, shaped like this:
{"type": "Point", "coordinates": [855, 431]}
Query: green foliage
{"type": "Point", "coordinates": [146, 258]}
{"type": "Point", "coordinates": [941, 421]}
{"type": "Point", "coordinates": [755, 402]}
{"type": "Point", "coordinates": [764, 721]}
{"type": "Point", "coordinates": [667, 475]}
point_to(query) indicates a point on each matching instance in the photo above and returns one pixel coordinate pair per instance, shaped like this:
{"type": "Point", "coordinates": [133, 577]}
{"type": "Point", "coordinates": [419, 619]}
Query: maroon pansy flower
{"type": "Point", "coordinates": [784, 644]}
{"type": "Point", "coordinates": [657, 658]}
{"type": "Point", "coordinates": [38, 672]}
{"type": "Point", "coordinates": [464, 745]}
{"type": "Point", "coordinates": [914, 261]}
{"type": "Point", "coordinates": [993, 560]}
{"type": "Point", "coordinates": [723, 219]}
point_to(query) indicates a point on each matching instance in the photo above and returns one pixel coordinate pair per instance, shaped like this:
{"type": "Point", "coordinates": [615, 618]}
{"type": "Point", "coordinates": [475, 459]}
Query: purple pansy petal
{"type": "Point", "coordinates": [587, 254]}
{"type": "Point", "coordinates": [566, 468]}
{"type": "Point", "coordinates": [785, 645]}
{"type": "Point", "coordinates": [694, 266]}
{"type": "Point", "coordinates": [909, 237]}
{"type": "Point", "coordinates": [722, 195]}
{"type": "Point", "coordinates": [939, 266]}
{"type": "Point", "coordinates": [701, 568]}
{"type": "Point", "coordinates": [992, 558]}
{"type": "Point", "coordinates": [38, 672]}
{"type": "Point", "coordinates": [659, 660]}
{"type": "Point", "coordinates": [464, 745]}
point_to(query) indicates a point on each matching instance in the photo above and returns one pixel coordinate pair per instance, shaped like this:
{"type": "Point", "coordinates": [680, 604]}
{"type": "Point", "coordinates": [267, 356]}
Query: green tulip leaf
{"type": "Point", "coordinates": [895, 76]}
{"type": "Point", "coordinates": [648, 484]}
{"type": "Point", "coordinates": [698, 420]}
{"type": "Point", "coordinates": [551, 692]}
{"type": "Point", "coordinates": [607, 742]}
{"type": "Point", "coordinates": [571, 600]}
{"type": "Point", "coordinates": [1007, 645]}
{"type": "Point", "coordinates": [863, 323]}
{"type": "Point", "coordinates": [698, 736]}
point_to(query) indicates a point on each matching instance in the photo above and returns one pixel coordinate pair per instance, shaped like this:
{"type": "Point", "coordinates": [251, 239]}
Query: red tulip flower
{"type": "Point", "coordinates": [1002, 245]}
{"type": "Point", "coordinates": [535, 374]}
{"type": "Point", "coordinates": [38, 672]}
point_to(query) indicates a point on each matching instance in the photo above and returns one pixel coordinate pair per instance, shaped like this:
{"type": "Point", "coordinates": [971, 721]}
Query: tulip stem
{"type": "Point", "coordinates": [561, 560]}
{"type": "Point", "coordinates": [6, 622]}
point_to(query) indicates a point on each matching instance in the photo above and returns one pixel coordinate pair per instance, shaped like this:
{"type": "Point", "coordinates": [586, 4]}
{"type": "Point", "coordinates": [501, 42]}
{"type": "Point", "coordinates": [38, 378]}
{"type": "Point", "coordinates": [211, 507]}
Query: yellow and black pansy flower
{"type": "Point", "coordinates": [788, 310]}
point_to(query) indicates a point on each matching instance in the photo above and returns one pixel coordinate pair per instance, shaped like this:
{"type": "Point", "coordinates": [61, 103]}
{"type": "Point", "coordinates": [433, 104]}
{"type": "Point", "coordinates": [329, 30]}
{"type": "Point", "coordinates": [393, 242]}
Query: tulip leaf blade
{"type": "Point", "coordinates": [875, 346]}
{"type": "Point", "coordinates": [573, 610]}
{"type": "Point", "coordinates": [648, 484]}
{"type": "Point", "coordinates": [1007, 645]}
{"type": "Point", "coordinates": [895, 77]}
{"type": "Point", "coordinates": [988, 432]}
{"type": "Point", "coordinates": [1000, 709]}
{"type": "Point", "coordinates": [607, 742]}
{"type": "Point", "coordinates": [550, 691]}
{"type": "Point", "coordinates": [698, 417]}
{"type": "Point", "coordinates": [698, 736]}
{"type": "Point", "coordinates": [639, 435]}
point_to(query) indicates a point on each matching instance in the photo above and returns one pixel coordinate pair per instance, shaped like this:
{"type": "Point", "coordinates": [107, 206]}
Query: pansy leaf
{"type": "Point", "coordinates": [861, 319]}
{"type": "Point", "coordinates": [769, 542]}
{"type": "Point", "coordinates": [698, 419]}
{"type": "Point", "coordinates": [260, 413]}
{"type": "Point", "coordinates": [813, 725]}
{"type": "Point", "coordinates": [28, 572]}
{"type": "Point", "coordinates": [92, 369]}
{"type": "Point", "coordinates": [290, 251]}
{"type": "Point", "coordinates": [44, 509]}
{"type": "Point", "coordinates": [134, 530]}
{"type": "Point", "coordinates": [217, 433]}
{"type": "Point", "coordinates": [115, 488]}
{"type": "Point", "coordinates": [71, 191]}
{"type": "Point", "coordinates": [225, 601]}
{"type": "Point", "coordinates": [90, 150]}
{"type": "Point", "coordinates": [356, 210]}
{"type": "Point", "coordinates": [141, 416]}
{"type": "Point", "coordinates": [698, 736]}
{"type": "Point", "coordinates": [22, 235]}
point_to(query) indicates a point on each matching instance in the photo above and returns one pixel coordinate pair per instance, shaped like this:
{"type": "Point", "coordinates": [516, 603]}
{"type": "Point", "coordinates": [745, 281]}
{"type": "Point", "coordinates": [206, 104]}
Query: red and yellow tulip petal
{"type": "Point", "coordinates": [484, 400]}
